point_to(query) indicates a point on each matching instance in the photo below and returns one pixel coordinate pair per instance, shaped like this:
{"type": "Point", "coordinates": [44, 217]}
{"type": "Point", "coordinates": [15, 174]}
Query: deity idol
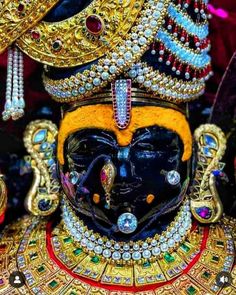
{"type": "Point", "coordinates": [124, 198]}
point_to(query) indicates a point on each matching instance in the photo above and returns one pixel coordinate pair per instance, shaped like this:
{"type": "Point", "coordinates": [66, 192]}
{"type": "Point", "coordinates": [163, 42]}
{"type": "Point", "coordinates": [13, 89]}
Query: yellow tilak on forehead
{"type": "Point", "coordinates": [101, 117]}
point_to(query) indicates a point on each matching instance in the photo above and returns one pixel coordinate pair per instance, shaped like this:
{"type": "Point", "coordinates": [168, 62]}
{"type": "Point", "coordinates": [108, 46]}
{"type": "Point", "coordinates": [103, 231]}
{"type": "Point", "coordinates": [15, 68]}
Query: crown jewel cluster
{"type": "Point", "coordinates": [174, 33]}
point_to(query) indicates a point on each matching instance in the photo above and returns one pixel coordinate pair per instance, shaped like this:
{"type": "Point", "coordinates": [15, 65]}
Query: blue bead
{"type": "Point", "coordinates": [44, 146]}
{"type": "Point", "coordinates": [210, 141]}
{"type": "Point", "coordinates": [51, 162]}
{"type": "Point", "coordinates": [207, 152]}
{"type": "Point", "coordinates": [216, 173]}
{"type": "Point", "coordinates": [194, 59]}
{"type": "Point", "coordinates": [44, 205]}
{"type": "Point", "coordinates": [40, 136]}
{"type": "Point", "coordinates": [127, 223]}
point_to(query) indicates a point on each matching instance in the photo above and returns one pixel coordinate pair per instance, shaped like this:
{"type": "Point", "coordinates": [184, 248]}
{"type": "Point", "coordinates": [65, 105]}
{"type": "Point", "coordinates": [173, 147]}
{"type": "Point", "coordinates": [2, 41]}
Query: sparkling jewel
{"type": "Point", "coordinates": [204, 212]}
{"type": "Point", "coordinates": [127, 251]}
{"type": "Point", "coordinates": [44, 205]}
{"type": "Point", "coordinates": [57, 45]}
{"type": "Point", "coordinates": [173, 177]}
{"type": "Point", "coordinates": [35, 35]}
{"type": "Point", "coordinates": [127, 223]}
{"type": "Point", "coordinates": [94, 24]}
{"type": "Point", "coordinates": [74, 177]}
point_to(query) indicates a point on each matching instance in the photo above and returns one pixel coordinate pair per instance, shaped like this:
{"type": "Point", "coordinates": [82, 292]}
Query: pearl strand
{"type": "Point", "coordinates": [14, 105]}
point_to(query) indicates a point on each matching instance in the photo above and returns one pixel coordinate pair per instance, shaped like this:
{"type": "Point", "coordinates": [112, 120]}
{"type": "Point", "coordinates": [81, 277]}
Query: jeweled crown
{"type": "Point", "coordinates": [161, 45]}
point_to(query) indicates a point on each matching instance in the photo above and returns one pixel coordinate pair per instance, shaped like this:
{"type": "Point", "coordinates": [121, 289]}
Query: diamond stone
{"type": "Point", "coordinates": [173, 177]}
{"type": "Point", "coordinates": [127, 223]}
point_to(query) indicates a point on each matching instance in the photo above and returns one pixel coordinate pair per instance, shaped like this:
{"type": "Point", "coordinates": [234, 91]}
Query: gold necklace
{"type": "Point", "coordinates": [84, 37]}
{"type": "Point", "coordinates": [51, 263]}
{"type": "Point", "coordinates": [131, 252]}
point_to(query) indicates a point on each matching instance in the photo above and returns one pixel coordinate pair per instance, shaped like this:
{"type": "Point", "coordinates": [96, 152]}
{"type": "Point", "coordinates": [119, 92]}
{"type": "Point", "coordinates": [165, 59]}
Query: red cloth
{"type": "Point", "coordinates": [223, 39]}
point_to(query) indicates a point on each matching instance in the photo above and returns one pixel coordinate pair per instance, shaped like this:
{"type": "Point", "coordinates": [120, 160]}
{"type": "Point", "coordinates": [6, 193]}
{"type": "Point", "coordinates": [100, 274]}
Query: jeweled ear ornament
{"type": "Point", "coordinates": [172, 177]}
{"type": "Point", "coordinates": [43, 196]}
{"type": "Point", "coordinates": [205, 202]}
{"type": "Point", "coordinates": [107, 177]}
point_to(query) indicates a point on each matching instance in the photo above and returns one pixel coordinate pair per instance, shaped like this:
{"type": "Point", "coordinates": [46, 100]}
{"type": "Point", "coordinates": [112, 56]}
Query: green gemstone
{"type": "Point", "coordinates": [95, 259]}
{"type": "Point", "coordinates": [57, 45]}
{"type": "Point", "coordinates": [77, 251]}
{"type": "Point", "coordinates": [68, 240]}
{"type": "Point", "coordinates": [215, 259]}
{"type": "Point", "coordinates": [41, 269]}
{"type": "Point", "coordinates": [185, 248]}
{"type": "Point", "coordinates": [32, 243]}
{"type": "Point", "coordinates": [169, 258]}
{"type": "Point", "coordinates": [119, 265]}
{"type": "Point", "coordinates": [146, 264]}
{"type": "Point", "coordinates": [191, 290]}
{"type": "Point", "coordinates": [73, 293]}
{"type": "Point", "coordinates": [206, 275]}
{"type": "Point", "coordinates": [53, 284]}
{"type": "Point", "coordinates": [33, 256]}
{"type": "Point", "coordinates": [220, 244]}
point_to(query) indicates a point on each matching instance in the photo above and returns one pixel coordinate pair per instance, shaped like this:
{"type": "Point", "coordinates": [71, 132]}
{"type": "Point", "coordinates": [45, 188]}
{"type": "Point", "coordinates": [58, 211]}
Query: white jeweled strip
{"type": "Point", "coordinates": [149, 249]}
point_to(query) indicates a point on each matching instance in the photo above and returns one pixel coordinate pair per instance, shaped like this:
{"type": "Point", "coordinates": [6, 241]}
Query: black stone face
{"type": "Point", "coordinates": [141, 170]}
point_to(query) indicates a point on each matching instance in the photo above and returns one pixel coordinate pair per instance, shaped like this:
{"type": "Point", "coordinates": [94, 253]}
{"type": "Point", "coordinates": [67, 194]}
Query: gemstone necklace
{"type": "Point", "coordinates": [127, 252]}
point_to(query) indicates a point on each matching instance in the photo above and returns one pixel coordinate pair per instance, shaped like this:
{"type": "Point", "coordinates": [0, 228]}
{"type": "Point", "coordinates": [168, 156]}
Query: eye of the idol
{"type": "Point", "coordinates": [156, 139]}
{"type": "Point", "coordinates": [83, 146]}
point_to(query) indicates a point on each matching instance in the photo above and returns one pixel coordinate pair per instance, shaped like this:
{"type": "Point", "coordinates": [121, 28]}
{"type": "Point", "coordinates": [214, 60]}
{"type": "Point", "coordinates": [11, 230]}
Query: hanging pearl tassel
{"type": "Point", "coordinates": [8, 104]}
{"type": "Point", "coordinates": [15, 104]}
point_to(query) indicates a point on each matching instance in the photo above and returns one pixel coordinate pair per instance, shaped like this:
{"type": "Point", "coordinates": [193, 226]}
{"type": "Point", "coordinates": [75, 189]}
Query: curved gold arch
{"type": "Point", "coordinates": [16, 17]}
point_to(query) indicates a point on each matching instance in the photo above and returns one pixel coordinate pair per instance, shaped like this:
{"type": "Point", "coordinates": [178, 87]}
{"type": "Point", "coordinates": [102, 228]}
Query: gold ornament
{"type": "Point", "coordinates": [83, 37]}
{"type": "Point", "coordinates": [205, 202]}
{"type": "Point", "coordinates": [155, 244]}
{"type": "Point", "coordinates": [25, 247]}
{"type": "Point", "coordinates": [16, 17]}
{"type": "Point", "coordinates": [39, 139]}
{"type": "Point", "coordinates": [3, 198]}
{"type": "Point", "coordinates": [107, 177]}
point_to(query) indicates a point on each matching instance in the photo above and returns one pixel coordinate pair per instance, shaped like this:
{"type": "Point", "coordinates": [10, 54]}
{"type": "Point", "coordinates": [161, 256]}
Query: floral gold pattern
{"type": "Point", "coordinates": [69, 42]}
{"type": "Point", "coordinates": [16, 17]}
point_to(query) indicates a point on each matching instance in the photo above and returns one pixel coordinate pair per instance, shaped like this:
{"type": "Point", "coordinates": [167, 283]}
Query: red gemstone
{"type": "Point", "coordinates": [94, 24]}
{"type": "Point", "coordinates": [21, 7]}
{"type": "Point", "coordinates": [103, 176]}
{"type": "Point", "coordinates": [35, 35]}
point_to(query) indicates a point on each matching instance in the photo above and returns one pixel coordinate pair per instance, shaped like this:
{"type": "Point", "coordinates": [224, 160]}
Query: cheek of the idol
{"type": "Point", "coordinates": [84, 146]}
{"type": "Point", "coordinates": [153, 156]}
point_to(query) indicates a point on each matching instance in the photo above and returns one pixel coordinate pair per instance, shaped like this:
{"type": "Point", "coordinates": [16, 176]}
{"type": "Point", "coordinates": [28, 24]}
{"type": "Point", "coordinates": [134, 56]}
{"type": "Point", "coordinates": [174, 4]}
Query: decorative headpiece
{"type": "Point", "coordinates": [108, 40]}
{"type": "Point", "coordinates": [176, 42]}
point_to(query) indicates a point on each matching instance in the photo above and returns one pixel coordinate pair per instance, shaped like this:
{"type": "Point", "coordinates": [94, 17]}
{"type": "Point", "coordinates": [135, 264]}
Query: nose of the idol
{"type": "Point", "coordinates": [126, 176]}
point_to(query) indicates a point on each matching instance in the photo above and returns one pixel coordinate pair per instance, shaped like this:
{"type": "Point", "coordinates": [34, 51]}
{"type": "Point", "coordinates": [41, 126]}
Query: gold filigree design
{"type": "Point", "coordinates": [75, 44]}
{"type": "Point", "coordinates": [23, 248]}
{"type": "Point", "coordinates": [211, 143]}
{"type": "Point", "coordinates": [3, 196]}
{"type": "Point", "coordinates": [16, 17]}
{"type": "Point", "coordinates": [140, 243]}
{"type": "Point", "coordinates": [39, 139]}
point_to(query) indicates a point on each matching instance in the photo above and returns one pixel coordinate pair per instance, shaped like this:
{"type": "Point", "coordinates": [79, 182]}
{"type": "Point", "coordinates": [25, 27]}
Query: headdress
{"type": "Point", "coordinates": [161, 46]}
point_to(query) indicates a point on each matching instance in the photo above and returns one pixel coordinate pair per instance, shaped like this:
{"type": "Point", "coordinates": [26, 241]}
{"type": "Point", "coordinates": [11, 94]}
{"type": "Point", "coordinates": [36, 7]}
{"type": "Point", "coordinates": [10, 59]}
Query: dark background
{"type": "Point", "coordinates": [39, 105]}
